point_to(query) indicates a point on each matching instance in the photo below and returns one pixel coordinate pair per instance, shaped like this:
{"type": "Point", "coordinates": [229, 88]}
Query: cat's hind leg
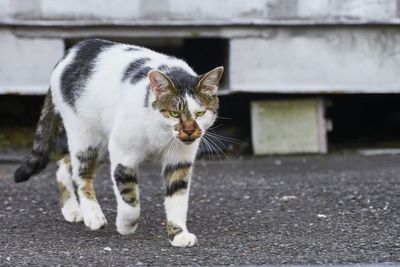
{"type": "Point", "coordinates": [69, 204]}
{"type": "Point", "coordinates": [84, 166]}
{"type": "Point", "coordinates": [85, 145]}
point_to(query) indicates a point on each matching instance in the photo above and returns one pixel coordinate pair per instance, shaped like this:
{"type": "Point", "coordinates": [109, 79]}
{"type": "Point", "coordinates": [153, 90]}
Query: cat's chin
{"type": "Point", "coordinates": [187, 142]}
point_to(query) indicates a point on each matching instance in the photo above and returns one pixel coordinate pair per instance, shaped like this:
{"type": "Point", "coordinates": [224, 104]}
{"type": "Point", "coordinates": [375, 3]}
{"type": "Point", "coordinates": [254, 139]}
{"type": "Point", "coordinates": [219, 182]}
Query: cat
{"type": "Point", "coordinates": [129, 103]}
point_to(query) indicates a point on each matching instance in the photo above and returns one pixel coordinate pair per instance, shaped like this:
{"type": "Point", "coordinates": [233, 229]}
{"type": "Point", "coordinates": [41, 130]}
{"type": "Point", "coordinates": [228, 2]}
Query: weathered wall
{"type": "Point", "coordinates": [352, 60]}
{"type": "Point", "coordinates": [274, 45]}
{"type": "Point", "coordinates": [184, 10]}
{"type": "Point", "coordinates": [26, 63]}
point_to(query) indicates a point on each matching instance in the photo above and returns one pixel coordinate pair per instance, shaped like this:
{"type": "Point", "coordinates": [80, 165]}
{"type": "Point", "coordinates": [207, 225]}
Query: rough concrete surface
{"type": "Point", "coordinates": [256, 211]}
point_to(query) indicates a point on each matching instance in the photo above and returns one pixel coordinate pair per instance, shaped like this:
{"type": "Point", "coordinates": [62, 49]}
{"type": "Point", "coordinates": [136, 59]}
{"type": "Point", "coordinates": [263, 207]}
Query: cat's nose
{"type": "Point", "coordinates": [189, 131]}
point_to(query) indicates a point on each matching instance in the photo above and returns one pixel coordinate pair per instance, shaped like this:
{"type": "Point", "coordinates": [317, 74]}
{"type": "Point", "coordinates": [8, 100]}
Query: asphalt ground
{"type": "Point", "coordinates": [336, 209]}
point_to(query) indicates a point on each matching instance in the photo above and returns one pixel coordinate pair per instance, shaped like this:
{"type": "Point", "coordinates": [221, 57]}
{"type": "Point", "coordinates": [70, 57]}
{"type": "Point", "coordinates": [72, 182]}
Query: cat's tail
{"type": "Point", "coordinates": [43, 143]}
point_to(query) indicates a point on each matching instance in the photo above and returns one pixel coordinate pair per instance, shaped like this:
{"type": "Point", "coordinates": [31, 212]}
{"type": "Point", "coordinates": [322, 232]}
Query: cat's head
{"type": "Point", "coordinates": [187, 104]}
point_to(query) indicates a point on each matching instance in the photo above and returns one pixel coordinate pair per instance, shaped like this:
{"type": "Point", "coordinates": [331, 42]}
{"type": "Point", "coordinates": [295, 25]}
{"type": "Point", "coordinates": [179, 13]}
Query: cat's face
{"type": "Point", "coordinates": [187, 104]}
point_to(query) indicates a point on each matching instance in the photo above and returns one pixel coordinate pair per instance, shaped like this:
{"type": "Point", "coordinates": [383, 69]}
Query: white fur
{"type": "Point", "coordinates": [70, 209]}
{"type": "Point", "coordinates": [110, 114]}
{"type": "Point", "coordinates": [125, 216]}
{"type": "Point", "coordinates": [184, 239]}
{"type": "Point", "coordinates": [93, 217]}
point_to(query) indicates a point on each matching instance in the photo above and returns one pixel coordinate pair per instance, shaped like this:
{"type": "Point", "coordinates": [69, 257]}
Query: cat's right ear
{"type": "Point", "coordinates": [160, 83]}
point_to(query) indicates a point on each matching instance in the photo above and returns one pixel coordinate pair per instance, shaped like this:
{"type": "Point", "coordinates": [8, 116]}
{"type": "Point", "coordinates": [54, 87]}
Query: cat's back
{"type": "Point", "coordinates": [97, 77]}
{"type": "Point", "coordinates": [93, 61]}
{"type": "Point", "coordinates": [106, 68]}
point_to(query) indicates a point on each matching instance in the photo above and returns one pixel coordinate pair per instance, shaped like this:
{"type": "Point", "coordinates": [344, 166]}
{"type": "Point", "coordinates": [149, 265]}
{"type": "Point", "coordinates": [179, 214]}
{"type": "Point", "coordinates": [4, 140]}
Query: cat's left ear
{"type": "Point", "coordinates": [209, 82]}
{"type": "Point", "coordinates": [160, 83]}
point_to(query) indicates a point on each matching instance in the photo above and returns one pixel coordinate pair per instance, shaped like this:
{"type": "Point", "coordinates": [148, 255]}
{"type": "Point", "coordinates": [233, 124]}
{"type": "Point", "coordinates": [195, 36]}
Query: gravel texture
{"type": "Point", "coordinates": [289, 210]}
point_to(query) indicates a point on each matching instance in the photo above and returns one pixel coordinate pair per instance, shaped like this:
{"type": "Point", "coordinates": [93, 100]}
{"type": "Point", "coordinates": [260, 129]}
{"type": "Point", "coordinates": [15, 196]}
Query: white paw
{"type": "Point", "coordinates": [127, 219]}
{"type": "Point", "coordinates": [184, 239]}
{"type": "Point", "coordinates": [72, 212]}
{"type": "Point", "coordinates": [127, 229]}
{"type": "Point", "coordinates": [93, 217]}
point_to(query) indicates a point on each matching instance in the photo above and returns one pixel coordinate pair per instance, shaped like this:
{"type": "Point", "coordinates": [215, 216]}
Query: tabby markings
{"type": "Point", "coordinates": [64, 193]}
{"type": "Point", "coordinates": [126, 181]}
{"type": "Point", "coordinates": [133, 68]}
{"type": "Point", "coordinates": [140, 74]}
{"type": "Point", "coordinates": [132, 48]}
{"type": "Point", "coordinates": [81, 68]}
{"type": "Point", "coordinates": [176, 178]}
{"type": "Point", "coordinates": [173, 230]}
{"type": "Point", "coordinates": [87, 166]}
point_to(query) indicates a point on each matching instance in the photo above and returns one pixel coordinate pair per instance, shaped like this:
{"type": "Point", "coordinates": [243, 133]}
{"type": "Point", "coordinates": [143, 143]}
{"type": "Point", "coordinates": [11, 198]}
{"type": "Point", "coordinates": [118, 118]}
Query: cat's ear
{"type": "Point", "coordinates": [160, 83]}
{"type": "Point", "coordinates": [209, 82]}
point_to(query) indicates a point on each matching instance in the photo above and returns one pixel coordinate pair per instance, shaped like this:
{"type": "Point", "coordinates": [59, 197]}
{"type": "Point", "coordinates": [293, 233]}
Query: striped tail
{"type": "Point", "coordinates": [43, 144]}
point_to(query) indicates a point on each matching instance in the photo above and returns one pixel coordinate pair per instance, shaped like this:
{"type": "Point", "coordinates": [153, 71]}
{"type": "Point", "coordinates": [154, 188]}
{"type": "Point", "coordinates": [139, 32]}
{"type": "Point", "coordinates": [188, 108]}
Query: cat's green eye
{"type": "Point", "coordinates": [200, 113]}
{"type": "Point", "coordinates": [174, 114]}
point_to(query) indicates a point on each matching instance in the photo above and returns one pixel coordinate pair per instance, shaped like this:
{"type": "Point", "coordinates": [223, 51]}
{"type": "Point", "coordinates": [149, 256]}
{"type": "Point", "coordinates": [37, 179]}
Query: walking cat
{"type": "Point", "coordinates": [130, 103]}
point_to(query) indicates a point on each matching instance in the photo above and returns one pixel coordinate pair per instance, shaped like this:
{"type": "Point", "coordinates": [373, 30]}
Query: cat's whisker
{"type": "Point", "coordinates": [173, 151]}
{"type": "Point", "coordinates": [209, 149]}
{"type": "Point", "coordinates": [163, 146]}
{"type": "Point", "coordinates": [223, 153]}
{"type": "Point", "coordinates": [223, 118]}
{"type": "Point", "coordinates": [216, 126]}
{"type": "Point", "coordinates": [219, 141]}
{"type": "Point", "coordinates": [225, 138]}
{"type": "Point", "coordinates": [174, 154]}
{"type": "Point", "coordinates": [167, 155]}
{"type": "Point", "coordinates": [213, 147]}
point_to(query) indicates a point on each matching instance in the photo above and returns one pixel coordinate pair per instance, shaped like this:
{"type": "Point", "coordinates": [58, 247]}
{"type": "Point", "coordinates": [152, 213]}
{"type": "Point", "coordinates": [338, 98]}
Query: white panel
{"type": "Point", "coordinates": [288, 126]}
{"type": "Point", "coordinates": [90, 9]}
{"type": "Point", "coordinates": [26, 64]}
{"type": "Point", "coordinates": [249, 11]}
{"type": "Point", "coordinates": [317, 60]}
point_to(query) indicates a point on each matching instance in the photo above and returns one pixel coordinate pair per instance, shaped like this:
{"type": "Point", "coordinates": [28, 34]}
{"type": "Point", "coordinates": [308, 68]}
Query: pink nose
{"type": "Point", "coordinates": [189, 131]}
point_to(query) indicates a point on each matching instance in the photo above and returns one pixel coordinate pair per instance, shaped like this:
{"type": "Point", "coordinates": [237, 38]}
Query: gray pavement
{"type": "Point", "coordinates": [336, 209]}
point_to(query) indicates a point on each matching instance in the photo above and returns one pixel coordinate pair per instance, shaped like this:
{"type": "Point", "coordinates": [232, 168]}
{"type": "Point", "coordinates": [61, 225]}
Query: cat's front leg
{"type": "Point", "coordinates": [177, 181]}
{"type": "Point", "coordinates": [124, 176]}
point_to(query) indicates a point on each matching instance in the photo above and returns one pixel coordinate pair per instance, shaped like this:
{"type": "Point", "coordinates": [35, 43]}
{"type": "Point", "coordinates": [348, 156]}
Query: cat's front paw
{"type": "Point", "coordinates": [127, 227]}
{"type": "Point", "coordinates": [93, 217]}
{"type": "Point", "coordinates": [184, 239]}
{"type": "Point", "coordinates": [72, 212]}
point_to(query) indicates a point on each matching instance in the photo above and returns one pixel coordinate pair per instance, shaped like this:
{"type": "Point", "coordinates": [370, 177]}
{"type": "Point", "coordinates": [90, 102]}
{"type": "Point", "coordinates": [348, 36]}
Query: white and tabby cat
{"type": "Point", "coordinates": [129, 102]}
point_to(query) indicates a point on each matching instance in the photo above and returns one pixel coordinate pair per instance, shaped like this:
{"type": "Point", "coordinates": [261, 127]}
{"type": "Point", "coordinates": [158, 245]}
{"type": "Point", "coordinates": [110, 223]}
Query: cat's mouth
{"type": "Point", "coordinates": [187, 141]}
{"type": "Point", "coordinates": [189, 137]}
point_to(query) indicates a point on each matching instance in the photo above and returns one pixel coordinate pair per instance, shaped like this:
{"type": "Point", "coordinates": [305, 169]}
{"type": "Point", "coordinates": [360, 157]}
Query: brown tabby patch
{"type": "Point", "coordinates": [87, 167]}
{"type": "Point", "coordinates": [173, 230]}
{"type": "Point", "coordinates": [88, 190]}
{"type": "Point", "coordinates": [177, 178]}
{"type": "Point", "coordinates": [210, 102]}
{"type": "Point", "coordinates": [64, 193]}
{"type": "Point", "coordinates": [67, 162]}
{"type": "Point", "coordinates": [126, 181]}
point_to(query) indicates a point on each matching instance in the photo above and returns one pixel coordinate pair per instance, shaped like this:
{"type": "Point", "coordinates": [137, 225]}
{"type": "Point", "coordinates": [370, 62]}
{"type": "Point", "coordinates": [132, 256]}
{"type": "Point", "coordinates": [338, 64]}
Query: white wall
{"type": "Point", "coordinates": [317, 60]}
{"type": "Point", "coordinates": [26, 63]}
{"type": "Point", "coordinates": [360, 55]}
{"type": "Point", "coordinates": [194, 10]}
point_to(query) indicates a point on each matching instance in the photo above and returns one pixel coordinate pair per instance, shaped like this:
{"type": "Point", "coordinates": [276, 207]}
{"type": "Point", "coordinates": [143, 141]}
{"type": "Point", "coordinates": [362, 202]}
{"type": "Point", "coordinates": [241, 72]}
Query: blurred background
{"type": "Point", "coordinates": [302, 76]}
